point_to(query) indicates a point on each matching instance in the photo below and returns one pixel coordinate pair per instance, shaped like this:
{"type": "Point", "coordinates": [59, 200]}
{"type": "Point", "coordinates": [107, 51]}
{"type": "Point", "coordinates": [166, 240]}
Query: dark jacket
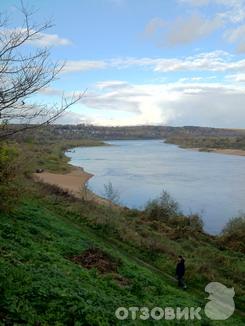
{"type": "Point", "coordinates": [180, 268]}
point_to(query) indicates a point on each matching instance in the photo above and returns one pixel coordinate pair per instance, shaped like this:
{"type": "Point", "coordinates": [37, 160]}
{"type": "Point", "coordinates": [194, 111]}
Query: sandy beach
{"type": "Point", "coordinates": [238, 152]}
{"type": "Point", "coordinates": [74, 182]}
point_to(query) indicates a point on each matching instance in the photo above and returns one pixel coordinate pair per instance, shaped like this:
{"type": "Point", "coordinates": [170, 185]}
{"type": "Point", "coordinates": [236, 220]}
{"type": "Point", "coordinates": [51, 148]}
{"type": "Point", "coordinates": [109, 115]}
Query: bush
{"type": "Point", "coordinates": [111, 194]}
{"type": "Point", "coordinates": [233, 234]}
{"type": "Point", "coordinates": [166, 209]}
{"type": "Point", "coordinates": [235, 225]}
{"type": "Point", "coordinates": [8, 167]}
{"type": "Point", "coordinates": [196, 222]}
{"type": "Point", "coordinates": [163, 207]}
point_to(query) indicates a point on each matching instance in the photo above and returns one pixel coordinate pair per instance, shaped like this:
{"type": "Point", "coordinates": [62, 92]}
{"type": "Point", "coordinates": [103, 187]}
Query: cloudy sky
{"type": "Point", "coordinates": [178, 62]}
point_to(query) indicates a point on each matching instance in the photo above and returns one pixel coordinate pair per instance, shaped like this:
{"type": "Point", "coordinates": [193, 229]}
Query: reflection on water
{"type": "Point", "coordinates": [208, 183]}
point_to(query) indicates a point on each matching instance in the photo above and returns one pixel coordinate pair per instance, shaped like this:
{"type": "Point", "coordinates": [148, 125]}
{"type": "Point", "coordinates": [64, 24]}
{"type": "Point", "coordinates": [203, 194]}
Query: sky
{"type": "Point", "coordinates": [151, 62]}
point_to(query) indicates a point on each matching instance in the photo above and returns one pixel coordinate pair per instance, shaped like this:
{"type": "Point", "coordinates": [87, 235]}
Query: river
{"type": "Point", "coordinates": [210, 184]}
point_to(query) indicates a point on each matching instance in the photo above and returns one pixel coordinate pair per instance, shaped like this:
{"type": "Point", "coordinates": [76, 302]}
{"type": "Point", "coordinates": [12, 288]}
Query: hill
{"type": "Point", "coordinates": [66, 261]}
{"type": "Point", "coordinates": [202, 138]}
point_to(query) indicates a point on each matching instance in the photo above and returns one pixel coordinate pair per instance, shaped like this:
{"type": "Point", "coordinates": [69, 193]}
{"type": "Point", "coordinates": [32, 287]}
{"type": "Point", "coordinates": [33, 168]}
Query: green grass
{"type": "Point", "coordinates": [50, 156]}
{"type": "Point", "coordinates": [40, 284]}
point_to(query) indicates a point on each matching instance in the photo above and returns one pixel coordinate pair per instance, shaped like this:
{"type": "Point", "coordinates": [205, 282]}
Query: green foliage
{"type": "Point", "coordinates": [233, 234]}
{"type": "Point", "coordinates": [8, 173]}
{"type": "Point", "coordinates": [39, 284]}
{"type": "Point", "coordinates": [163, 207]}
{"type": "Point", "coordinates": [166, 209]}
{"type": "Point", "coordinates": [201, 137]}
{"type": "Point", "coordinates": [196, 222]}
{"type": "Point", "coordinates": [50, 155]}
{"type": "Point", "coordinates": [235, 225]}
{"type": "Point", "coordinates": [111, 193]}
{"type": "Point", "coordinates": [207, 143]}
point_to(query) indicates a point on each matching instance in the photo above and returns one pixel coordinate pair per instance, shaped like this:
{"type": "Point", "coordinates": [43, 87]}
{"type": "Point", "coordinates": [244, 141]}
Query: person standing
{"type": "Point", "coordinates": [180, 272]}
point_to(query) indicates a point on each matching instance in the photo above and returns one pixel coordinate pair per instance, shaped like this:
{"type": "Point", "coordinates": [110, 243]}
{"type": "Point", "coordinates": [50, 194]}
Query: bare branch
{"type": "Point", "coordinates": [53, 114]}
{"type": "Point", "coordinates": [24, 75]}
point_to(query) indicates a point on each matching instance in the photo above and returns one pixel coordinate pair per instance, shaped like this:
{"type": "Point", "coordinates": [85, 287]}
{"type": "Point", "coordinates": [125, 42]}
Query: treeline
{"type": "Point", "coordinates": [176, 135]}
{"type": "Point", "coordinates": [205, 143]}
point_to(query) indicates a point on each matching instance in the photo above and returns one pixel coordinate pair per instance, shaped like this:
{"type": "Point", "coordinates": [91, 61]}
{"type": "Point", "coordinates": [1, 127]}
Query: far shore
{"type": "Point", "coordinates": [238, 152]}
{"type": "Point", "coordinates": [74, 182]}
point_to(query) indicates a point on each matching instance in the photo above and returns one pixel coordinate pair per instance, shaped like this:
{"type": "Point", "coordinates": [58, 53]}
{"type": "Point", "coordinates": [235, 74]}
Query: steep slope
{"type": "Point", "coordinates": [44, 280]}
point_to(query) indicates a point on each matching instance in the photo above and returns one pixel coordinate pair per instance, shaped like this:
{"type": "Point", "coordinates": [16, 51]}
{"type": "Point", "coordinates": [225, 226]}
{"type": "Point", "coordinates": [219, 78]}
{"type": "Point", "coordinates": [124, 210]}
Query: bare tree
{"type": "Point", "coordinates": [84, 191]}
{"type": "Point", "coordinates": [24, 73]}
{"type": "Point", "coordinates": [111, 194]}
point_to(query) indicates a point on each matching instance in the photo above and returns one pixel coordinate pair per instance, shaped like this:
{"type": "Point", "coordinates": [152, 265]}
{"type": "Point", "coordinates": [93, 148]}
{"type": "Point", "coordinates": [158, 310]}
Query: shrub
{"type": "Point", "coordinates": [8, 167]}
{"type": "Point", "coordinates": [163, 207]}
{"type": "Point", "coordinates": [166, 209]}
{"type": "Point", "coordinates": [235, 225]}
{"type": "Point", "coordinates": [111, 193]}
{"type": "Point", "coordinates": [196, 222]}
{"type": "Point", "coordinates": [233, 234]}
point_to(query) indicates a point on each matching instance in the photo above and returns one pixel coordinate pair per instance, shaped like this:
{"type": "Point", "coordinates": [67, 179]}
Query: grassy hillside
{"type": "Point", "coordinates": [68, 262]}
{"type": "Point", "coordinates": [41, 284]}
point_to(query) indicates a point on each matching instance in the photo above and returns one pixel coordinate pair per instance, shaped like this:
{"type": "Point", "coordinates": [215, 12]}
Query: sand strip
{"type": "Point", "coordinates": [238, 152]}
{"type": "Point", "coordinates": [75, 182]}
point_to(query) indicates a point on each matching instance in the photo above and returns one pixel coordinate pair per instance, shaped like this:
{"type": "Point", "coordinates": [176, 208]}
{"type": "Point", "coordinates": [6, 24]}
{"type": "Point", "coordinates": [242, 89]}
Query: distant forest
{"type": "Point", "coordinates": [188, 136]}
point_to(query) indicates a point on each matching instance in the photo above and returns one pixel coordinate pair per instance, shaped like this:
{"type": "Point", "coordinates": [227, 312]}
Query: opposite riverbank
{"type": "Point", "coordinates": [236, 152]}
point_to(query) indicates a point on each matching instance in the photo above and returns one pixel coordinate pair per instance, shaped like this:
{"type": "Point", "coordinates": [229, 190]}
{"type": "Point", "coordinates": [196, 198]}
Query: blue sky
{"type": "Point", "coordinates": [178, 62]}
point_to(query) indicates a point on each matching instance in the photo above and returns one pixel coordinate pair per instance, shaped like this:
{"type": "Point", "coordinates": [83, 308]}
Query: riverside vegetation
{"type": "Point", "coordinates": [65, 261]}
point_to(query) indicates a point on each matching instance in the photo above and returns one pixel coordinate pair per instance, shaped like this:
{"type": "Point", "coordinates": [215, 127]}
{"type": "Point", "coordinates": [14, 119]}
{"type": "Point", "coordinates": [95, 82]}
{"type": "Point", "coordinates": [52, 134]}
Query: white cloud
{"type": "Point", "coordinates": [112, 84]}
{"type": "Point", "coordinates": [124, 101]}
{"type": "Point", "coordinates": [215, 106]}
{"type": "Point", "coordinates": [227, 14]}
{"type": "Point", "coordinates": [211, 61]}
{"type": "Point", "coordinates": [216, 61]}
{"type": "Point", "coordinates": [174, 103]}
{"type": "Point", "coordinates": [233, 10]}
{"type": "Point", "coordinates": [50, 91]}
{"type": "Point", "coordinates": [195, 2]}
{"type": "Point", "coordinates": [237, 35]}
{"type": "Point", "coordinates": [236, 77]}
{"type": "Point", "coordinates": [83, 65]}
{"type": "Point", "coordinates": [152, 26]}
{"type": "Point", "coordinates": [188, 29]}
{"type": "Point", "coordinates": [39, 40]}
{"type": "Point", "coordinates": [185, 102]}
{"type": "Point", "coordinates": [182, 30]}
{"type": "Point", "coordinates": [45, 39]}
{"type": "Point", "coordinates": [73, 118]}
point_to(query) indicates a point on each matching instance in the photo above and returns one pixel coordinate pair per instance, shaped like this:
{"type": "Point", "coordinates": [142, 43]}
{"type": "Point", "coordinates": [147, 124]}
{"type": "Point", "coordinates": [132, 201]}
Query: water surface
{"type": "Point", "coordinates": [207, 183]}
